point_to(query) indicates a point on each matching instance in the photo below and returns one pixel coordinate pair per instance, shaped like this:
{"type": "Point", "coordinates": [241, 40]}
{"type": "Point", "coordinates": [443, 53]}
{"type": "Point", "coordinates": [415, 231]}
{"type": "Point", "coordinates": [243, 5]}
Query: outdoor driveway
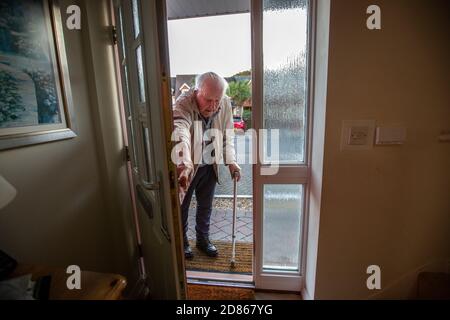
{"type": "Point", "coordinates": [245, 185]}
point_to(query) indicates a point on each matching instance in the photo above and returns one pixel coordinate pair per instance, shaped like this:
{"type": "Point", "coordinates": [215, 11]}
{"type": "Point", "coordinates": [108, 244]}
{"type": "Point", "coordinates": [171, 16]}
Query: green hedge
{"type": "Point", "coordinates": [247, 117]}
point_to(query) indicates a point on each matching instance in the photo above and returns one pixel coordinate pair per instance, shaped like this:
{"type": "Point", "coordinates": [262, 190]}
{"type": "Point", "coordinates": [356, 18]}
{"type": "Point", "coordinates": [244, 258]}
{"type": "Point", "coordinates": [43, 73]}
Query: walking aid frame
{"type": "Point", "coordinates": [233, 235]}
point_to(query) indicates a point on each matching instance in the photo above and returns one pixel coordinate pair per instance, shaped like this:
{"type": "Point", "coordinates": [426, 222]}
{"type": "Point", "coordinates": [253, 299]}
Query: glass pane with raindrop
{"type": "Point", "coordinates": [136, 21]}
{"type": "Point", "coordinates": [282, 217]}
{"type": "Point", "coordinates": [140, 67]}
{"type": "Point", "coordinates": [284, 80]}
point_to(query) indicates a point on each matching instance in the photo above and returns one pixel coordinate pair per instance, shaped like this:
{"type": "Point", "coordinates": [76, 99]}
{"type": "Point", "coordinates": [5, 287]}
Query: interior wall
{"type": "Point", "coordinates": [62, 214]}
{"type": "Point", "coordinates": [387, 206]}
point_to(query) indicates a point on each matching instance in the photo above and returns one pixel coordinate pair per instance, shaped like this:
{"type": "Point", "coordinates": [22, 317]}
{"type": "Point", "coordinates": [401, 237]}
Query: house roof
{"type": "Point", "coordinates": [184, 86]}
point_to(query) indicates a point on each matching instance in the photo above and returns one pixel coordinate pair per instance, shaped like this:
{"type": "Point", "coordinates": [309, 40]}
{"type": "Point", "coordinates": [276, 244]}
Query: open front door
{"type": "Point", "coordinates": [148, 124]}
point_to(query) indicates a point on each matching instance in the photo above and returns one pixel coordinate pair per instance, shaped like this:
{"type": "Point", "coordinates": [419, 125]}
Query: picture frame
{"type": "Point", "coordinates": [36, 103]}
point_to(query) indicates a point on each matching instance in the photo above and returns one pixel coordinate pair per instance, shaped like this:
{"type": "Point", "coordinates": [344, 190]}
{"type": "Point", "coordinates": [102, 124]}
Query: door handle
{"type": "Point", "coordinates": [144, 201]}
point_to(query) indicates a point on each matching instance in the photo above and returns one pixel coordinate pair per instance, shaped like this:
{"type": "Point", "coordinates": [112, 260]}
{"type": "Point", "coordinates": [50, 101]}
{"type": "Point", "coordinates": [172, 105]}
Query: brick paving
{"type": "Point", "coordinates": [221, 225]}
{"type": "Point", "coordinates": [244, 187]}
{"type": "Point", "coordinates": [242, 148]}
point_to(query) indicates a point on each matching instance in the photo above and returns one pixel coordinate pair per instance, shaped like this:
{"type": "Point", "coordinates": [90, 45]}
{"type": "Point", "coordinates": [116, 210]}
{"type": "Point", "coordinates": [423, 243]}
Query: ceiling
{"type": "Point", "coordinates": [182, 9]}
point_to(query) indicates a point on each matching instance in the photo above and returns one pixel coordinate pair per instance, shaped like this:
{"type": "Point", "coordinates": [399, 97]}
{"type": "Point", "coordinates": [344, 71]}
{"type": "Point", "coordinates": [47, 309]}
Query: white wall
{"type": "Point", "coordinates": [387, 206]}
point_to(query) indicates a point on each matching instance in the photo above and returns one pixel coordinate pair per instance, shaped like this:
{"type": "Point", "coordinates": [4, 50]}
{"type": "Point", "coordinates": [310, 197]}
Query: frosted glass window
{"type": "Point", "coordinates": [147, 155]}
{"type": "Point", "coordinates": [284, 79]}
{"type": "Point", "coordinates": [136, 22]}
{"type": "Point", "coordinates": [140, 67]}
{"type": "Point", "coordinates": [282, 216]}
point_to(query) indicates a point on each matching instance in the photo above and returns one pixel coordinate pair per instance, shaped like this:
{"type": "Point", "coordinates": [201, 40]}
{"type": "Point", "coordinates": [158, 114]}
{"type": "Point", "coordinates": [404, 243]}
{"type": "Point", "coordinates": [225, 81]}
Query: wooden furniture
{"type": "Point", "coordinates": [94, 285]}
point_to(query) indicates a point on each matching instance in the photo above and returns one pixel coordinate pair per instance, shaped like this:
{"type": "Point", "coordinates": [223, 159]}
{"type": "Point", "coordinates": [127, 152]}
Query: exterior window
{"type": "Point", "coordinates": [284, 78]}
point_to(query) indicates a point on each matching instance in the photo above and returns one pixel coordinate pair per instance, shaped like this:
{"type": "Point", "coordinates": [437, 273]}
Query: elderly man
{"type": "Point", "coordinates": [202, 110]}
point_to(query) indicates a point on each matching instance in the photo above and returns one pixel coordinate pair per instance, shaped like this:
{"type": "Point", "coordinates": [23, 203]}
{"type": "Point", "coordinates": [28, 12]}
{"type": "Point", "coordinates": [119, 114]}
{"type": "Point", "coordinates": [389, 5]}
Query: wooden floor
{"type": "Point", "coordinates": [277, 296]}
{"type": "Point", "coordinates": [196, 277]}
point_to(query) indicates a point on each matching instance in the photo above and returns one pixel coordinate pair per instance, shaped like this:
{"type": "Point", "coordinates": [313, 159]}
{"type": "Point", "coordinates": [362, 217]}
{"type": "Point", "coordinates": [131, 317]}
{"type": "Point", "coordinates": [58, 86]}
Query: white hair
{"type": "Point", "coordinates": [201, 78]}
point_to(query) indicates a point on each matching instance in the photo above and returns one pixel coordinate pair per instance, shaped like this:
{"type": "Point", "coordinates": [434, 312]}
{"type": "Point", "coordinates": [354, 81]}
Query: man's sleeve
{"type": "Point", "coordinates": [182, 119]}
{"type": "Point", "coordinates": [228, 145]}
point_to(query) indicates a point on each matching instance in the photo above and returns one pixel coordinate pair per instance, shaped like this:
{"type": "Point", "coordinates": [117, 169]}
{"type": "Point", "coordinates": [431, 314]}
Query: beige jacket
{"type": "Point", "coordinates": [188, 129]}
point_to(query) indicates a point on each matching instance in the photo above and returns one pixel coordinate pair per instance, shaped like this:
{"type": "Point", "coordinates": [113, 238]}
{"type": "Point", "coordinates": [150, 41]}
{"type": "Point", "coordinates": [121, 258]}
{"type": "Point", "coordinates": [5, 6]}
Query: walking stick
{"type": "Point", "coordinates": [233, 236]}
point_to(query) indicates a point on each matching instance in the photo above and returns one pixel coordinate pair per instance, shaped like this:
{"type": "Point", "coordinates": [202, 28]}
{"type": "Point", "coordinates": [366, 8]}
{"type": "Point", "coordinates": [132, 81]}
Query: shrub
{"type": "Point", "coordinates": [247, 117]}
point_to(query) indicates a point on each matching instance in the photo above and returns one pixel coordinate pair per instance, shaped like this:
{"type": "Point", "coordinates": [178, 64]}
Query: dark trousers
{"type": "Point", "coordinates": [204, 185]}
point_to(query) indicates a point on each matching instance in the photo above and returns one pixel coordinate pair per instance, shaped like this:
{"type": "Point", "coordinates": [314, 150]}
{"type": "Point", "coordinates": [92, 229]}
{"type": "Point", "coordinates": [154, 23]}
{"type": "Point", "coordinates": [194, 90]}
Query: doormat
{"type": "Point", "coordinates": [221, 263]}
{"type": "Point", "coordinates": [208, 292]}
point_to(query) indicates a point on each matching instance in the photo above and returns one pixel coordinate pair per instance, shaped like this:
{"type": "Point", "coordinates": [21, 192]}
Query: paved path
{"type": "Point", "coordinates": [245, 185]}
{"type": "Point", "coordinates": [221, 225]}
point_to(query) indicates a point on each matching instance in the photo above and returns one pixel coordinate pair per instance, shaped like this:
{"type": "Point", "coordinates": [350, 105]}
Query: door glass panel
{"type": "Point", "coordinates": [129, 116]}
{"type": "Point", "coordinates": [284, 78]}
{"type": "Point", "coordinates": [126, 90]}
{"type": "Point", "coordinates": [140, 67]}
{"type": "Point", "coordinates": [147, 154]}
{"type": "Point", "coordinates": [122, 35]}
{"type": "Point", "coordinates": [135, 6]}
{"type": "Point", "coordinates": [282, 216]}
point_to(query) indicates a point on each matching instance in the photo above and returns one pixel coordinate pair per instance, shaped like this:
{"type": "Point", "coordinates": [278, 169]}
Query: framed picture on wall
{"type": "Point", "coordinates": [35, 97]}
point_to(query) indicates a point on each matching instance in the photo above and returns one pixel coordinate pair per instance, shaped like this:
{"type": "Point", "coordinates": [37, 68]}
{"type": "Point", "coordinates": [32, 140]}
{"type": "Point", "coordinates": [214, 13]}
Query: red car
{"type": "Point", "coordinates": [238, 123]}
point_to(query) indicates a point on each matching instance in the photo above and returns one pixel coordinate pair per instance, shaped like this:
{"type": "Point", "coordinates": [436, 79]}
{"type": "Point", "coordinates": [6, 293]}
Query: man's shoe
{"type": "Point", "coordinates": [207, 247]}
{"type": "Point", "coordinates": [188, 254]}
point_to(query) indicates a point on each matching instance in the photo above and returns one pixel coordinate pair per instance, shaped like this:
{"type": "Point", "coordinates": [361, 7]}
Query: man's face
{"type": "Point", "coordinates": [208, 98]}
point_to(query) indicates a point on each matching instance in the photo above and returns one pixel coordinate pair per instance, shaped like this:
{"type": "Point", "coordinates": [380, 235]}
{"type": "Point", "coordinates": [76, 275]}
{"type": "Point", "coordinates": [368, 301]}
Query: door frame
{"type": "Point", "coordinates": [162, 56]}
{"type": "Point", "coordinates": [298, 174]}
{"type": "Point", "coordinates": [272, 280]}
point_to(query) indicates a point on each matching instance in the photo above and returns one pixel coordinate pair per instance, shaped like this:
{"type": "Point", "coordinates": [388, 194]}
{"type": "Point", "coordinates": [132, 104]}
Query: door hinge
{"type": "Point", "coordinates": [126, 152]}
{"type": "Point", "coordinates": [114, 35]}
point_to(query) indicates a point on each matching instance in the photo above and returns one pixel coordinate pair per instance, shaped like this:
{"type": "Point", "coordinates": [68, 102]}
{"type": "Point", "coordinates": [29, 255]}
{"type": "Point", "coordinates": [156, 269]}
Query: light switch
{"type": "Point", "coordinates": [357, 134]}
{"type": "Point", "coordinates": [390, 135]}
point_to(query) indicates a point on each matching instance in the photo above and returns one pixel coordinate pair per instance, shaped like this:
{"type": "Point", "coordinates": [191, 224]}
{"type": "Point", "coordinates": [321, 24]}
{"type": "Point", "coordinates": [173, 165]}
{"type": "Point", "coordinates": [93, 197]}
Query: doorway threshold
{"type": "Point", "coordinates": [220, 279]}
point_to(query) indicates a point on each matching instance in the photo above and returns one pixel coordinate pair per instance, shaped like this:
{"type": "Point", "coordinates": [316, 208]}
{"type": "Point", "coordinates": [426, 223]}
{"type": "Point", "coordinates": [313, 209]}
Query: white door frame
{"type": "Point", "coordinates": [288, 174]}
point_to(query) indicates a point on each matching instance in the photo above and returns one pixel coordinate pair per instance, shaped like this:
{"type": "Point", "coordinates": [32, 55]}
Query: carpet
{"type": "Point", "coordinates": [221, 263]}
{"type": "Point", "coordinates": [208, 292]}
